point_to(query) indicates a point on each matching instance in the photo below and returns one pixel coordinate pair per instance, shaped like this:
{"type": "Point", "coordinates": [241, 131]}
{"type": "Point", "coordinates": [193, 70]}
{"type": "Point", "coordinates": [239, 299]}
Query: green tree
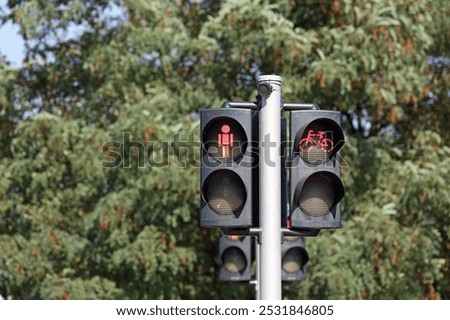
{"type": "Point", "coordinates": [99, 186]}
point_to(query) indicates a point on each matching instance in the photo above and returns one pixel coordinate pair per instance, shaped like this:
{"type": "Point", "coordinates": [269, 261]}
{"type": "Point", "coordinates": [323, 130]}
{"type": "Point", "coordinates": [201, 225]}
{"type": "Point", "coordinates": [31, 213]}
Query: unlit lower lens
{"type": "Point", "coordinates": [233, 260]}
{"type": "Point", "coordinates": [292, 260]}
{"type": "Point", "coordinates": [318, 196]}
{"type": "Point", "coordinates": [225, 192]}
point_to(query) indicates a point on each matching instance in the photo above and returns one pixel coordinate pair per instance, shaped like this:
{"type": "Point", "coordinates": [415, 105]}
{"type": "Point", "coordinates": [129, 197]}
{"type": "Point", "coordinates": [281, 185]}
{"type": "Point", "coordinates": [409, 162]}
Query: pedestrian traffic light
{"type": "Point", "coordinates": [293, 258]}
{"type": "Point", "coordinates": [228, 173]}
{"type": "Point", "coordinates": [315, 185]}
{"type": "Point", "coordinates": [235, 258]}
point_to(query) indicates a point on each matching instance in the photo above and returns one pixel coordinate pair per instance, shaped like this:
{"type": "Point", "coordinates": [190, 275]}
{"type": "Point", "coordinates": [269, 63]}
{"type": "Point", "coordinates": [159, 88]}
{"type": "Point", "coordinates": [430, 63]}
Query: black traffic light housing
{"type": "Point", "coordinates": [293, 258]}
{"type": "Point", "coordinates": [235, 258]}
{"type": "Point", "coordinates": [315, 185]}
{"type": "Point", "coordinates": [229, 168]}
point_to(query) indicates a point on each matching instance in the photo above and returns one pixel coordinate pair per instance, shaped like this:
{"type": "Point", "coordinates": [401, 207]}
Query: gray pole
{"type": "Point", "coordinates": [258, 270]}
{"type": "Point", "coordinates": [269, 87]}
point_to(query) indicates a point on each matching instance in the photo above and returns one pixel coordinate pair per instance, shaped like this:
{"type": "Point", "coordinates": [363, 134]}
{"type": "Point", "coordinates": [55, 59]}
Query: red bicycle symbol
{"type": "Point", "coordinates": [317, 140]}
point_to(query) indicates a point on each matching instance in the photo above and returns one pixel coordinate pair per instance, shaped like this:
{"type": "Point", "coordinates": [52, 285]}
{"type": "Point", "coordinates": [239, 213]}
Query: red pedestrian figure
{"type": "Point", "coordinates": [225, 140]}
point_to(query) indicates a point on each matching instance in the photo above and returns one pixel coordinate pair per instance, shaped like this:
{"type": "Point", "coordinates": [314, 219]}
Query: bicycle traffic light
{"type": "Point", "coordinates": [293, 258]}
{"type": "Point", "coordinates": [315, 187]}
{"type": "Point", "coordinates": [228, 173]}
{"type": "Point", "coordinates": [235, 258]}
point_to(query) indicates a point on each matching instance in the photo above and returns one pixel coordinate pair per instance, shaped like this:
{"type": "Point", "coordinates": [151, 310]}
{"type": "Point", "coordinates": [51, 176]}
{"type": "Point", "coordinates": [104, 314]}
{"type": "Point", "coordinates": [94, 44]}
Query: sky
{"type": "Point", "coordinates": [13, 47]}
{"type": "Point", "coordinates": [11, 43]}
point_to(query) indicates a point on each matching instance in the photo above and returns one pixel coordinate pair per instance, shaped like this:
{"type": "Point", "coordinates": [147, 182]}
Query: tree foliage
{"type": "Point", "coordinates": [99, 142]}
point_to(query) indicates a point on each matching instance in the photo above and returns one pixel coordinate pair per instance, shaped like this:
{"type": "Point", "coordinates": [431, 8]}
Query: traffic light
{"type": "Point", "coordinates": [293, 258]}
{"type": "Point", "coordinates": [228, 174]}
{"type": "Point", "coordinates": [315, 185]}
{"type": "Point", "coordinates": [235, 258]}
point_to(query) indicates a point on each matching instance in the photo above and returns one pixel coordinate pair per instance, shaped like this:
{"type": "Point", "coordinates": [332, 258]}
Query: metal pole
{"type": "Point", "coordinates": [269, 88]}
{"type": "Point", "coordinates": [258, 269]}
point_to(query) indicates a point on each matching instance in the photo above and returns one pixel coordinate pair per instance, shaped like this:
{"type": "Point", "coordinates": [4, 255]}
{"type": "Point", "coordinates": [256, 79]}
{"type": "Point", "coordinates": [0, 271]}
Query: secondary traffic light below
{"type": "Point", "coordinates": [228, 173]}
{"type": "Point", "coordinates": [235, 258]}
{"type": "Point", "coordinates": [293, 258]}
{"type": "Point", "coordinates": [315, 188]}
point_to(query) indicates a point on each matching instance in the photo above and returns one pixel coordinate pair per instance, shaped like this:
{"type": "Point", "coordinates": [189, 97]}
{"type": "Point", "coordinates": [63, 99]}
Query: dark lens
{"type": "Point", "coordinates": [225, 192]}
{"type": "Point", "coordinates": [292, 260]}
{"type": "Point", "coordinates": [234, 260]}
{"type": "Point", "coordinates": [318, 195]}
